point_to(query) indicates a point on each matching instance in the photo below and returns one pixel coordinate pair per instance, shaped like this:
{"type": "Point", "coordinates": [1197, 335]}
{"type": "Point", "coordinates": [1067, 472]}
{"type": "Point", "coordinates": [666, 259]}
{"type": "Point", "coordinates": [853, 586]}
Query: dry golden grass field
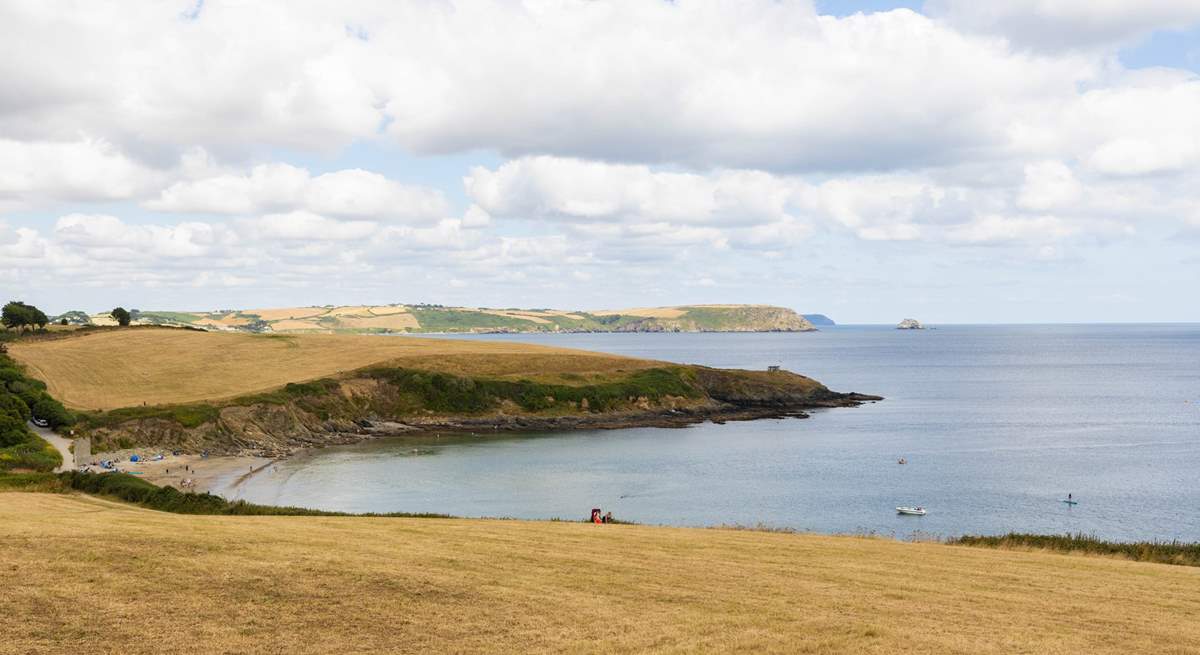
{"type": "Point", "coordinates": [124, 368]}
{"type": "Point", "coordinates": [88, 575]}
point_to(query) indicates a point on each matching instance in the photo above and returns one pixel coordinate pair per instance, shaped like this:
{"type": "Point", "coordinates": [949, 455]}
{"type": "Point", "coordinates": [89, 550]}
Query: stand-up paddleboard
{"type": "Point", "coordinates": [1069, 502]}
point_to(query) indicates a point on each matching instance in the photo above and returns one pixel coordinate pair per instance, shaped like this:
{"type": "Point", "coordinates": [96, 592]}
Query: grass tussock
{"type": "Point", "coordinates": [1161, 552]}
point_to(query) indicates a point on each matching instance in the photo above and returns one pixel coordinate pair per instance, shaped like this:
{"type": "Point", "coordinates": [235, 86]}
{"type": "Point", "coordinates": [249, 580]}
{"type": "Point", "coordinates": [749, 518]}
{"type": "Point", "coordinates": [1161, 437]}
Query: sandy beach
{"type": "Point", "coordinates": [215, 474]}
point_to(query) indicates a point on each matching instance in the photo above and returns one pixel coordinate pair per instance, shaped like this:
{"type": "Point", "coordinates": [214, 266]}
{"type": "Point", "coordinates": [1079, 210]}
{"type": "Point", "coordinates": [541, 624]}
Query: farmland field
{"type": "Point", "coordinates": [328, 584]}
{"type": "Point", "coordinates": [153, 366]}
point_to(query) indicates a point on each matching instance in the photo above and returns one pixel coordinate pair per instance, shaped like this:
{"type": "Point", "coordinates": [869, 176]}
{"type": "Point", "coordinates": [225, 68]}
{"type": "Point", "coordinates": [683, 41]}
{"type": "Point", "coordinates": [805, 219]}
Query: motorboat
{"type": "Point", "coordinates": [914, 511]}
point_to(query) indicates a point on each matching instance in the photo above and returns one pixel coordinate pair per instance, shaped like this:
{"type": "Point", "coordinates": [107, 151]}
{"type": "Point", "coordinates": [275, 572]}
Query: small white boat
{"type": "Point", "coordinates": [914, 511]}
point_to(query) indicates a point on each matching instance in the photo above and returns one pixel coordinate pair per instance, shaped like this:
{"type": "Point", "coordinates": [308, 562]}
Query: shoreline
{"type": "Point", "coordinates": [222, 473]}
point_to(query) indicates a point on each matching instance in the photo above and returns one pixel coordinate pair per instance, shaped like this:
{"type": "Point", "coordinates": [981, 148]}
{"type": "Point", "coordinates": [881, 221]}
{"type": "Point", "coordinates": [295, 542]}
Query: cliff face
{"type": "Point", "coordinates": [395, 401]}
{"type": "Point", "coordinates": [440, 319]}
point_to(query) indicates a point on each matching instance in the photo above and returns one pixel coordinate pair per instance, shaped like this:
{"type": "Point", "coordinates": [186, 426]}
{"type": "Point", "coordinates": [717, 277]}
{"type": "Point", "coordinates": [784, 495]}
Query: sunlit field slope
{"type": "Point", "coordinates": [89, 575]}
{"type": "Point", "coordinates": [131, 367]}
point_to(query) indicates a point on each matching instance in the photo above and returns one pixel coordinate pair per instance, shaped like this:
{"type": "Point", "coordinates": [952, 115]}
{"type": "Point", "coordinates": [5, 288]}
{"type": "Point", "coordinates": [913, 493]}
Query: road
{"type": "Point", "coordinates": [62, 445]}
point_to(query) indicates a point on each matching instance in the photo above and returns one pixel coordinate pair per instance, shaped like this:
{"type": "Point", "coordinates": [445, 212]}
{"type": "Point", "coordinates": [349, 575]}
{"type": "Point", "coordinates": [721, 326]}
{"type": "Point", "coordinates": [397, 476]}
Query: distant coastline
{"type": "Point", "coordinates": [439, 319]}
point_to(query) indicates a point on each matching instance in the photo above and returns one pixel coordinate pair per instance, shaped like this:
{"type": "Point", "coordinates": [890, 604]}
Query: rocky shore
{"type": "Point", "coordinates": [658, 418]}
{"type": "Point", "coordinates": [389, 402]}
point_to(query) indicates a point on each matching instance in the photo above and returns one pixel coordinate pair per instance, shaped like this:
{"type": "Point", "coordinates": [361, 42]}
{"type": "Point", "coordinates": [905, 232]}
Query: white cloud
{"type": "Point", "coordinates": [758, 84]}
{"type": "Point", "coordinates": [628, 141]}
{"type": "Point", "coordinates": [995, 228]}
{"type": "Point", "coordinates": [1045, 229]}
{"type": "Point", "coordinates": [647, 212]}
{"type": "Point", "coordinates": [1149, 126]}
{"type": "Point", "coordinates": [1056, 24]}
{"type": "Point", "coordinates": [306, 226]}
{"type": "Point", "coordinates": [37, 172]}
{"type": "Point", "coordinates": [109, 237]}
{"type": "Point", "coordinates": [1048, 185]}
{"type": "Point", "coordinates": [352, 193]}
{"type": "Point", "coordinates": [572, 190]}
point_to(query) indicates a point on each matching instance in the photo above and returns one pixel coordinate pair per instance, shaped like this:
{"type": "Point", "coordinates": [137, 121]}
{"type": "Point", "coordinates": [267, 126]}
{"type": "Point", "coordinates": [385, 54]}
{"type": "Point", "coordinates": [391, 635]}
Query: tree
{"type": "Point", "coordinates": [17, 314]}
{"type": "Point", "coordinates": [121, 315]}
{"type": "Point", "coordinates": [62, 321]}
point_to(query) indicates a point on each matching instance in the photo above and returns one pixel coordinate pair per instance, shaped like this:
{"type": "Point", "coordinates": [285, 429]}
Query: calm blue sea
{"type": "Point", "coordinates": [998, 423]}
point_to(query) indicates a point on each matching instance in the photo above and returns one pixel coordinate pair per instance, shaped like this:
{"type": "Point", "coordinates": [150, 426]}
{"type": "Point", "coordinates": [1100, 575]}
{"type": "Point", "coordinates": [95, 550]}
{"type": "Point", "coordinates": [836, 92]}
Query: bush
{"type": "Point", "coordinates": [12, 431]}
{"type": "Point", "coordinates": [13, 406]}
{"type": "Point", "coordinates": [34, 454]}
{"type": "Point", "coordinates": [52, 411]}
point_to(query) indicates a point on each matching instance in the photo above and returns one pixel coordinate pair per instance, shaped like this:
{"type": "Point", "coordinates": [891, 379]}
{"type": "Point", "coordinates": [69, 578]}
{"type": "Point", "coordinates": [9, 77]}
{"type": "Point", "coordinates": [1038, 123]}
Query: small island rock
{"type": "Point", "coordinates": [910, 324]}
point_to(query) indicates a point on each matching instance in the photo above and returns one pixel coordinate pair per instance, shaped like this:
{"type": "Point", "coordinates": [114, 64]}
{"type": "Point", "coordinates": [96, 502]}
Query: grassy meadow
{"type": "Point", "coordinates": [89, 574]}
{"type": "Point", "coordinates": [111, 369]}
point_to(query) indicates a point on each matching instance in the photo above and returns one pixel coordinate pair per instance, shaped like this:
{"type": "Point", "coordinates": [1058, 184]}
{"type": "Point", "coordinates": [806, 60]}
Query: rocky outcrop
{"type": "Point", "coordinates": [402, 401]}
{"type": "Point", "coordinates": [910, 324]}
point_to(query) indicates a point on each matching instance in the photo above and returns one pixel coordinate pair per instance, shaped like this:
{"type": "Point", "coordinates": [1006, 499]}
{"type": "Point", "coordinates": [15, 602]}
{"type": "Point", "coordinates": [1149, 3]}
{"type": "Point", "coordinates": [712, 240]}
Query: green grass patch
{"type": "Point", "coordinates": [1162, 552]}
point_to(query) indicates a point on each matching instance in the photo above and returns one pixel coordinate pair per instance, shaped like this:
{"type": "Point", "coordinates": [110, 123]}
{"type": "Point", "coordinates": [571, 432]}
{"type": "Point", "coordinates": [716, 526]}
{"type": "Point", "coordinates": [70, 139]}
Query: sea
{"type": "Point", "coordinates": [997, 424]}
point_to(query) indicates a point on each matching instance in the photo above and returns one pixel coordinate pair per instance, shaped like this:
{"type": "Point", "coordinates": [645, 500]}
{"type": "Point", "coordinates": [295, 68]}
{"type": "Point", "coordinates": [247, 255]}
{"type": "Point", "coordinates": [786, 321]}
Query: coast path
{"type": "Point", "coordinates": [61, 444]}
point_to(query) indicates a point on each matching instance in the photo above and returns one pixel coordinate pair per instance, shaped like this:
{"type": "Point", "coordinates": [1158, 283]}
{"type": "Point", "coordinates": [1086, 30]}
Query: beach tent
{"type": "Point", "coordinates": [134, 458]}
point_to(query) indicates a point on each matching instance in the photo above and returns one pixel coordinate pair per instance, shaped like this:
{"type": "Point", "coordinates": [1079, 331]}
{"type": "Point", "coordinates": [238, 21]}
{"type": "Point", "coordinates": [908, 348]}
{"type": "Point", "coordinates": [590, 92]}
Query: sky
{"type": "Point", "coordinates": [954, 161]}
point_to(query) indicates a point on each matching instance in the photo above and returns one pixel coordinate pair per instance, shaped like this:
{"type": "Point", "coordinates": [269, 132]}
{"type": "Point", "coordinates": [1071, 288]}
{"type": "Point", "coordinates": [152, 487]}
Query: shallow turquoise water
{"type": "Point", "coordinates": [997, 423]}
